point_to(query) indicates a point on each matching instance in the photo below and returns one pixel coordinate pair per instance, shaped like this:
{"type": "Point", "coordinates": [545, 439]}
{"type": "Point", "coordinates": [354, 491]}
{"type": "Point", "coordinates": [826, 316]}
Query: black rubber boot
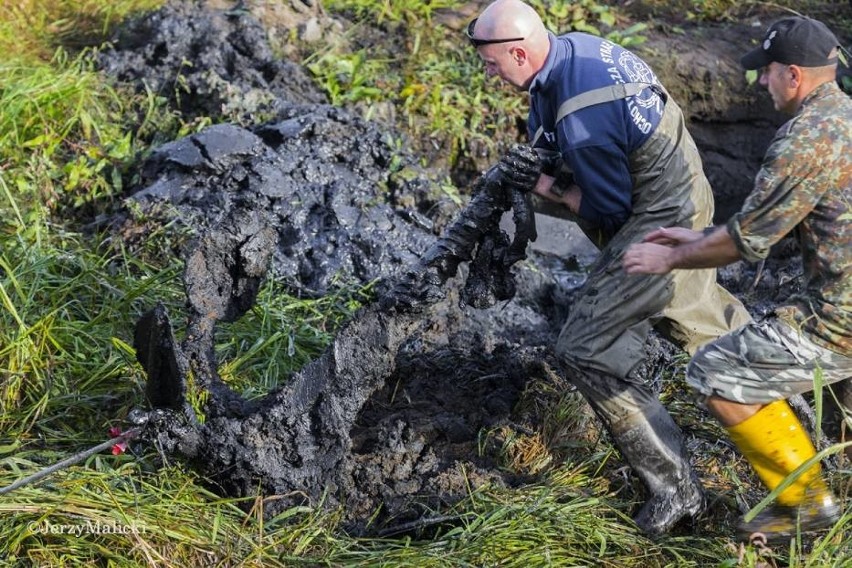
{"type": "Point", "coordinates": [653, 445]}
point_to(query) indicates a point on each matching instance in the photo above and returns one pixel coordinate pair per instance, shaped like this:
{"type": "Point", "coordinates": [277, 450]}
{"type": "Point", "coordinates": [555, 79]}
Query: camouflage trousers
{"type": "Point", "coordinates": [763, 362]}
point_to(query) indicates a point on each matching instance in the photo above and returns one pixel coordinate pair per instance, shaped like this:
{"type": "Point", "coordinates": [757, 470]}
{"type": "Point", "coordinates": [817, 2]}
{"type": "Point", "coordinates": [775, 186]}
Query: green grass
{"type": "Point", "coordinates": [280, 335]}
{"type": "Point", "coordinates": [60, 356]}
{"type": "Point", "coordinates": [69, 145]}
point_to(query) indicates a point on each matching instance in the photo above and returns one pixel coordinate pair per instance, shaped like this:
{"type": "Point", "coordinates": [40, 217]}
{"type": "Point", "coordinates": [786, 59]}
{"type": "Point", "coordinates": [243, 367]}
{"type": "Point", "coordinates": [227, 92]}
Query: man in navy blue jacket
{"type": "Point", "coordinates": [632, 167]}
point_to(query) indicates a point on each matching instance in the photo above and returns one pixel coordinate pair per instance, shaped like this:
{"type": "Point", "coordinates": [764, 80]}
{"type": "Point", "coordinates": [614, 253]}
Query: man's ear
{"type": "Point", "coordinates": [796, 74]}
{"type": "Point", "coordinates": [519, 55]}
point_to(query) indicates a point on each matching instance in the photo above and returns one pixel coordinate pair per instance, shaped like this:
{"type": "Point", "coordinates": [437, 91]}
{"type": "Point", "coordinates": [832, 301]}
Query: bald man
{"type": "Point", "coordinates": [627, 166]}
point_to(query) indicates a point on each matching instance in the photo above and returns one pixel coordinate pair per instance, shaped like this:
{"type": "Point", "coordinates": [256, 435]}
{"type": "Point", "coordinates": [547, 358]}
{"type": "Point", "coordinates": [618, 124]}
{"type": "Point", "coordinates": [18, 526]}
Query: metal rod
{"type": "Point", "coordinates": [70, 461]}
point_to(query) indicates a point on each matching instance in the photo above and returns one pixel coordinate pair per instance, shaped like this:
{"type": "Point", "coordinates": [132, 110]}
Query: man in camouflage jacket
{"type": "Point", "coordinates": [804, 185]}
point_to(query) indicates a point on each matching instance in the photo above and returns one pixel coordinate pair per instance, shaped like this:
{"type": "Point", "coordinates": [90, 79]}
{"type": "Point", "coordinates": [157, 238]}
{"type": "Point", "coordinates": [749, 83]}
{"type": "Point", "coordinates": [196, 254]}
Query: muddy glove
{"type": "Point", "coordinates": [521, 168]}
{"type": "Point", "coordinates": [551, 161]}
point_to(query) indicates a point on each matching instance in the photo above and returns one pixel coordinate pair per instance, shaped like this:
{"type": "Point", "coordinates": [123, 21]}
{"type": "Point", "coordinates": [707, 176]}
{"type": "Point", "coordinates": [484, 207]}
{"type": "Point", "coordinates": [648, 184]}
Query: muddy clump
{"type": "Point", "coordinates": [208, 62]}
{"type": "Point", "coordinates": [387, 419]}
{"type": "Point", "coordinates": [293, 198]}
{"type": "Point", "coordinates": [320, 176]}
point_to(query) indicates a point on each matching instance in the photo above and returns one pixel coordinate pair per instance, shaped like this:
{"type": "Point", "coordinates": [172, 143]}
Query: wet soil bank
{"type": "Point", "coordinates": [390, 418]}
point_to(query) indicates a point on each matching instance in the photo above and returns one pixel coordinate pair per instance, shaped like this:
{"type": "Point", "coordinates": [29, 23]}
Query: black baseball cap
{"type": "Point", "coordinates": [794, 41]}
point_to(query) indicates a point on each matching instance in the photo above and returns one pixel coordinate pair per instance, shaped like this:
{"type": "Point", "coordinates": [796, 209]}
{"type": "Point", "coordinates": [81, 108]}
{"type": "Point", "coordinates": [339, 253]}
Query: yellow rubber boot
{"type": "Point", "coordinates": [775, 444]}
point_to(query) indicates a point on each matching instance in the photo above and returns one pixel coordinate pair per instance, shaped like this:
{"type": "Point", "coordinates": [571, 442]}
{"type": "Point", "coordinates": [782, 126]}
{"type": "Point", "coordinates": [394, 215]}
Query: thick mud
{"type": "Point", "coordinates": [389, 420]}
{"type": "Point", "coordinates": [394, 407]}
{"type": "Point", "coordinates": [209, 62]}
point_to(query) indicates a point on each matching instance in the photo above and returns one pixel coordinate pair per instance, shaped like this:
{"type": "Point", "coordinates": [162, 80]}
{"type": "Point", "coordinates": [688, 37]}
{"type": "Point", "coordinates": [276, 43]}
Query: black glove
{"type": "Point", "coordinates": [551, 161]}
{"type": "Point", "coordinates": [521, 167]}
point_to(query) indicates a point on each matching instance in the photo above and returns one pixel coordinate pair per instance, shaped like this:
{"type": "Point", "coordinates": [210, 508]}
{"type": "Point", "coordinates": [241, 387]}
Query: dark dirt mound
{"type": "Point", "coordinates": [209, 62]}
{"type": "Point", "coordinates": [389, 418]}
{"type": "Point", "coordinates": [699, 62]}
{"type": "Point", "coordinates": [732, 123]}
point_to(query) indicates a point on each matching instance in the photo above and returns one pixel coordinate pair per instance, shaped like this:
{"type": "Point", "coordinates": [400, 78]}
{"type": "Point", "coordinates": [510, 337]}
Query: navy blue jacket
{"type": "Point", "coordinates": [595, 142]}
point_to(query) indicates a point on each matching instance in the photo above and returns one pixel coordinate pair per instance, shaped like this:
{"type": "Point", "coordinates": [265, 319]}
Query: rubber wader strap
{"type": "Point", "coordinates": [595, 97]}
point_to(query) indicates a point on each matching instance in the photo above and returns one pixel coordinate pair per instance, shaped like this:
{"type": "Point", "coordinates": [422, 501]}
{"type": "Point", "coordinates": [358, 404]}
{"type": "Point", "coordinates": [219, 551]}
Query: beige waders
{"type": "Point", "coordinates": [603, 339]}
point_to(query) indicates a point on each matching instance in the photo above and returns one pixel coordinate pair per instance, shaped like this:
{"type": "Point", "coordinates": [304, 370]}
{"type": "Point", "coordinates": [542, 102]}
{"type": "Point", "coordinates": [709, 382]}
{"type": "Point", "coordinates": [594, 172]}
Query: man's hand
{"type": "Point", "coordinates": [521, 167]}
{"type": "Point", "coordinates": [673, 236]}
{"type": "Point", "coordinates": [655, 255]}
{"type": "Point", "coordinates": [569, 197]}
{"type": "Point", "coordinates": [647, 258]}
{"type": "Point", "coordinates": [665, 249]}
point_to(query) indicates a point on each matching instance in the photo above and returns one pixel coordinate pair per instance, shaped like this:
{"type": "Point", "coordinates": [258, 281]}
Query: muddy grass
{"type": "Point", "coordinates": [403, 413]}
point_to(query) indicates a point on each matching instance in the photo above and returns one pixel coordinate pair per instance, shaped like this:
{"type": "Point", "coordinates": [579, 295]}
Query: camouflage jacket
{"type": "Point", "coordinates": [805, 184]}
